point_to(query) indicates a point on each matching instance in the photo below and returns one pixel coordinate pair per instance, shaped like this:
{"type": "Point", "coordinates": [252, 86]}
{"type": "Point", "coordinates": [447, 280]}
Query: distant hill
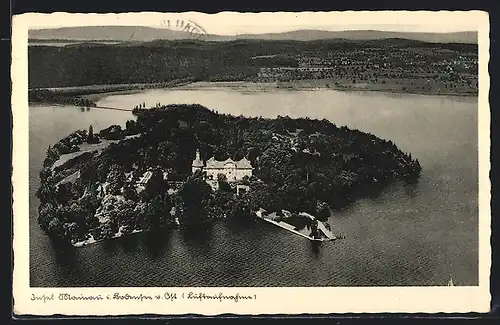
{"type": "Point", "coordinates": [459, 37]}
{"type": "Point", "coordinates": [146, 34]}
{"type": "Point", "coordinates": [107, 33]}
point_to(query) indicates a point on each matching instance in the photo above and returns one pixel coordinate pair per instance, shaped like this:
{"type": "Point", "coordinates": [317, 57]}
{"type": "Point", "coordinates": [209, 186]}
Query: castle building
{"type": "Point", "coordinates": [233, 170]}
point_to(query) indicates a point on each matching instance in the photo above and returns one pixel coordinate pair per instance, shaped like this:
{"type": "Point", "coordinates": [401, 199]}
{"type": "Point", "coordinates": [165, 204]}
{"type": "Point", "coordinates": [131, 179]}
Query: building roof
{"type": "Point", "coordinates": [240, 164]}
{"type": "Point", "coordinates": [145, 178]}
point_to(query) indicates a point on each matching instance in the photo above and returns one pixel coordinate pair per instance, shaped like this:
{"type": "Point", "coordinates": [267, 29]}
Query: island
{"type": "Point", "coordinates": [185, 165]}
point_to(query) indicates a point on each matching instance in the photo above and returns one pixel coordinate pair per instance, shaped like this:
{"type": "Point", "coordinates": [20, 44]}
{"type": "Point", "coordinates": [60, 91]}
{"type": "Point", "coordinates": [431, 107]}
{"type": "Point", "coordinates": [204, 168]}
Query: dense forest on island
{"type": "Point", "coordinates": [91, 182]}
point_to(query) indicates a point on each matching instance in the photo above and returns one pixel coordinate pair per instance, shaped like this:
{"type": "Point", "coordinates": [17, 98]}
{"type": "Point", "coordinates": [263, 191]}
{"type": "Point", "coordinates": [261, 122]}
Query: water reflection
{"type": "Point", "coordinates": [198, 235]}
{"type": "Point", "coordinates": [411, 189]}
{"type": "Point", "coordinates": [128, 243]}
{"type": "Point", "coordinates": [156, 242]}
{"type": "Point", "coordinates": [64, 254]}
{"type": "Point", "coordinates": [375, 193]}
{"type": "Point", "coordinates": [241, 223]}
{"type": "Point", "coordinates": [315, 248]}
{"type": "Point", "coordinates": [110, 246]}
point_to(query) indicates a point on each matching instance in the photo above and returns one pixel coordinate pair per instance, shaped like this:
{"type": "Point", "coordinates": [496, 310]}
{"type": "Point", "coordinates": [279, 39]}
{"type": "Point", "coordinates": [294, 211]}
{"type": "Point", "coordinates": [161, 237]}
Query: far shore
{"type": "Point", "coordinates": [96, 92]}
{"type": "Point", "coordinates": [318, 84]}
{"type": "Point", "coordinates": [98, 96]}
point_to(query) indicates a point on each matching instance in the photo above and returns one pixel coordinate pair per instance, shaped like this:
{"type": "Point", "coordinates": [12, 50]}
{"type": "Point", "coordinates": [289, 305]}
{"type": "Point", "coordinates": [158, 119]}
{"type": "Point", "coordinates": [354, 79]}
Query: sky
{"type": "Point", "coordinates": [229, 23]}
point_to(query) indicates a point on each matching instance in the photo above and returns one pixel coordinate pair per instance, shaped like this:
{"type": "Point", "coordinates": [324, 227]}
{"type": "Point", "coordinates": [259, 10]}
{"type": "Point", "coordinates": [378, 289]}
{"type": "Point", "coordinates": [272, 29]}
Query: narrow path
{"type": "Point", "coordinates": [290, 228]}
{"type": "Point", "coordinates": [321, 226]}
{"type": "Point", "coordinates": [327, 232]}
{"type": "Point", "coordinates": [112, 108]}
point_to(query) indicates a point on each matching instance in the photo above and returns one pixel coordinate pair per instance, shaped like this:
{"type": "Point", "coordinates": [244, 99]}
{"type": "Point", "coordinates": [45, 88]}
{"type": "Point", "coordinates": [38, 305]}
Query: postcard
{"type": "Point", "coordinates": [251, 163]}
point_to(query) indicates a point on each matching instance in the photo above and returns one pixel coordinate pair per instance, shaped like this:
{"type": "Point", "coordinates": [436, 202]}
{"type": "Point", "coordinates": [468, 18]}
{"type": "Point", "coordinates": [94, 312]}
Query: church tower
{"type": "Point", "coordinates": [197, 162]}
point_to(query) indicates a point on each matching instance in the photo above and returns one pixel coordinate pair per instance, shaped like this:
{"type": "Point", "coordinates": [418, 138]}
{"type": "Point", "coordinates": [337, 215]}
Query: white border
{"type": "Point", "coordinates": [269, 300]}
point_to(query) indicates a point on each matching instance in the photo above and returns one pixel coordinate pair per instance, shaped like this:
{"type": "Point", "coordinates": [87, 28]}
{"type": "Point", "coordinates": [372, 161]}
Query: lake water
{"type": "Point", "coordinates": [419, 235]}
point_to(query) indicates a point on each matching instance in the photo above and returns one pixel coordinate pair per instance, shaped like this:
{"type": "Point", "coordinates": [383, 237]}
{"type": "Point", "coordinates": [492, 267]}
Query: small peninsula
{"type": "Point", "coordinates": [149, 176]}
{"type": "Point", "coordinates": [47, 96]}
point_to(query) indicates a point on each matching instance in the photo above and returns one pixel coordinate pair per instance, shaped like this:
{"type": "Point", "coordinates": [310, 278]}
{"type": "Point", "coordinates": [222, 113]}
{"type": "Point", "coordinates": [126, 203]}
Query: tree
{"type": "Point", "coordinates": [238, 207]}
{"type": "Point", "coordinates": [322, 211]}
{"type": "Point", "coordinates": [130, 193]}
{"type": "Point", "coordinates": [156, 185]}
{"type": "Point", "coordinates": [106, 230]}
{"type": "Point", "coordinates": [90, 136]}
{"type": "Point", "coordinates": [162, 207]}
{"type": "Point", "coordinates": [77, 189]}
{"type": "Point", "coordinates": [262, 196]}
{"type": "Point", "coordinates": [114, 132]}
{"type": "Point", "coordinates": [115, 179]}
{"type": "Point", "coordinates": [55, 229]}
{"type": "Point", "coordinates": [253, 154]}
{"type": "Point", "coordinates": [46, 213]}
{"type": "Point", "coordinates": [46, 192]}
{"type": "Point", "coordinates": [92, 221]}
{"type": "Point", "coordinates": [223, 184]}
{"type": "Point", "coordinates": [77, 213]}
{"type": "Point", "coordinates": [314, 229]}
{"type": "Point", "coordinates": [274, 164]}
{"type": "Point", "coordinates": [131, 127]}
{"type": "Point", "coordinates": [64, 193]}
{"type": "Point", "coordinates": [89, 200]}
{"type": "Point", "coordinates": [88, 172]}
{"type": "Point", "coordinates": [51, 157]}
{"type": "Point", "coordinates": [102, 168]}
{"type": "Point", "coordinates": [245, 180]}
{"type": "Point", "coordinates": [125, 216]}
{"type": "Point", "coordinates": [154, 214]}
{"type": "Point", "coordinates": [73, 231]}
{"type": "Point", "coordinates": [196, 195]}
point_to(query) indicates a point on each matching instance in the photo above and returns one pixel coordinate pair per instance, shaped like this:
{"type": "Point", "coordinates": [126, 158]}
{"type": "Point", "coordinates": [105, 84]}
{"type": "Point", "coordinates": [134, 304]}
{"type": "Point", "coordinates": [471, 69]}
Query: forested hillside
{"type": "Point", "coordinates": [164, 61]}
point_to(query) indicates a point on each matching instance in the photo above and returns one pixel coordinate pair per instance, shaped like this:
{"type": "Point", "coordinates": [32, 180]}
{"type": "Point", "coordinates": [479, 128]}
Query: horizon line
{"type": "Point", "coordinates": [263, 33]}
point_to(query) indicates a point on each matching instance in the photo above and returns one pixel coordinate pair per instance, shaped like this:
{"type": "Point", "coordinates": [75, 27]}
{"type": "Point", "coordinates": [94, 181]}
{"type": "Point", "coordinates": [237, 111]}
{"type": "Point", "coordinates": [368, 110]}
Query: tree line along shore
{"type": "Point", "coordinates": [86, 96]}
{"type": "Point", "coordinates": [300, 165]}
{"type": "Point", "coordinates": [387, 65]}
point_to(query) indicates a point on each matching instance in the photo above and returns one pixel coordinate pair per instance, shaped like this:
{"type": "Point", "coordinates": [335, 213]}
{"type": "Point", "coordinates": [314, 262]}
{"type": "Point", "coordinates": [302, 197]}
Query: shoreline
{"type": "Point", "coordinates": [98, 92]}
{"type": "Point", "coordinates": [283, 225]}
{"type": "Point", "coordinates": [329, 236]}
{"type": "Point", "coordinates": [304, 85]}
{"type": "Point", "coordinates": [91, 240]}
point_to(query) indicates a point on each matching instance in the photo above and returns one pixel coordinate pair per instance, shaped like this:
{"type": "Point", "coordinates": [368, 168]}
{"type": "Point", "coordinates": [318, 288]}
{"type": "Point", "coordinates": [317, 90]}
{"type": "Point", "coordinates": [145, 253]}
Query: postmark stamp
{"type": "Point", "coordinates": [194, 30]}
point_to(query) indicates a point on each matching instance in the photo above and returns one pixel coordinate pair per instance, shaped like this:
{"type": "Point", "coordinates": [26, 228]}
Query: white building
{"type": "Point", "coordinates": [143, 181]}
{"type": "Point", "coordinates": [234, 170]}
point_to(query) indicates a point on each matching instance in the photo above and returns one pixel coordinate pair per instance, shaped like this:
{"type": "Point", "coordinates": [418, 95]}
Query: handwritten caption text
{"type": "Point", "coordinates": [165, 296]}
